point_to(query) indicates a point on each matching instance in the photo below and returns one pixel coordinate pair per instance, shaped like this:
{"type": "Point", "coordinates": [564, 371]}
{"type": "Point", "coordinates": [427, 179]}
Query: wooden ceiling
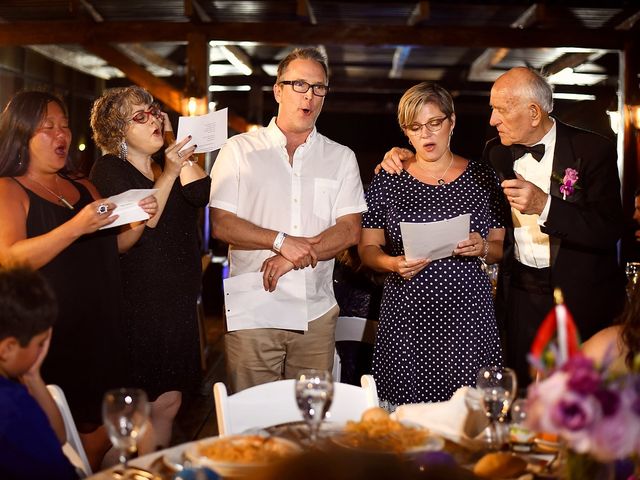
{"type": "Point", "coordinates": [376, 49]}
{"type": "Point", "coordinates": [226, 51]}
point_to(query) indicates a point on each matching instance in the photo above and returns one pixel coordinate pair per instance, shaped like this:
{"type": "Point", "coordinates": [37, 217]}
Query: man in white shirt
{"type": "Point", "coordinates": [286, 199]}
{"type": "Point", "coordinates": [563, 232]}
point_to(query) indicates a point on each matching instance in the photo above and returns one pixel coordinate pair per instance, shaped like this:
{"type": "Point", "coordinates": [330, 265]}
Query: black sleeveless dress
{"type": "Point", "coordinates": [87, 354]}
{"type": "Point", "coordinates": [161, 275]}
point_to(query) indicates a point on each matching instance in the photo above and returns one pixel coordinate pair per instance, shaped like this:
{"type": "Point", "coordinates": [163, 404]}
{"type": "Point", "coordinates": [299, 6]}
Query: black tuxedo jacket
{"type": "Point", "coordinates": [583, 229]}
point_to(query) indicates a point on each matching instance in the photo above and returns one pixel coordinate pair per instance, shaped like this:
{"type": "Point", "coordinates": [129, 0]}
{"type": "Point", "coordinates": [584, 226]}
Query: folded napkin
{"type": "Point", "coordinates": [461, 419]}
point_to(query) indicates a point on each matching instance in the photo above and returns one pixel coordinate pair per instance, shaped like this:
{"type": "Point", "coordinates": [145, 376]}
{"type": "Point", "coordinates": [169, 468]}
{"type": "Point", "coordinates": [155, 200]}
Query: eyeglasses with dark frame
{"type": "Point", "coordinates": [300, 86]}
{"type": "Point", "coordinates": [143, 116]}
{"type": "Point", "coordinates": [434, 125]}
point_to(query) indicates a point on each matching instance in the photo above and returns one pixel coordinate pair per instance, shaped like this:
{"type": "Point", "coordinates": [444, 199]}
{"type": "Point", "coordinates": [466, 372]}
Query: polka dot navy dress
{"type": "Point", "coordinates": [438, 328]}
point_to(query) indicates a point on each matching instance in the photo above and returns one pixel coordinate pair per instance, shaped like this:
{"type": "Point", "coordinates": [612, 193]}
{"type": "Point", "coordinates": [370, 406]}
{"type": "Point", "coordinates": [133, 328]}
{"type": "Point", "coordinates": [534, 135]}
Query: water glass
{"type": "Point", "coordinates": [632, 269]}
{"type": "Point", "coordinates": [520, 436]}
{"type": "Point", "coordinates": [125, 412]}
{"type": "Point", "coordinates": [498, 387]}
{"type": "Point", "coordinates": [492, 271]}
{"type": "Point", "coordinates": [314, 392]}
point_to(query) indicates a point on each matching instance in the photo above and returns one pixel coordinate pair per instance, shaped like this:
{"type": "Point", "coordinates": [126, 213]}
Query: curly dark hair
{"type": "Point", "coordinates": [630, 324]}
{"type": "Point", "coordinates": [110, 115]}
{"type": "Point", "coordinates": [18, 123]}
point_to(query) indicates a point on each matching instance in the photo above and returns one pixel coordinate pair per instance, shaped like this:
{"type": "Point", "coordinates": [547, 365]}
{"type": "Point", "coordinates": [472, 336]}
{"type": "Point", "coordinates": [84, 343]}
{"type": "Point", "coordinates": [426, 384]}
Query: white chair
{"type": "Point", "coordinates": [355, 329]}
{"type": "Point", "coordinates": [274, 403]}
{"type": "Point", "coordinates": [73, 449]}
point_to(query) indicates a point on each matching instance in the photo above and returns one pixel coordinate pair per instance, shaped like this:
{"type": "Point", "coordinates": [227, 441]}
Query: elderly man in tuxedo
{"type": "Point", "coordinates": [562, 187]}
{"type": "Point", "coordinates": [566, 214]}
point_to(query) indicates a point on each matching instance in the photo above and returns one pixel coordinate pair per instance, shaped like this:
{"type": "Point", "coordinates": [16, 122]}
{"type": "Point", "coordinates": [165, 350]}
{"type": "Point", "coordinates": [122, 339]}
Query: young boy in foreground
{"type": "Point", "coordinates": [31, 427]}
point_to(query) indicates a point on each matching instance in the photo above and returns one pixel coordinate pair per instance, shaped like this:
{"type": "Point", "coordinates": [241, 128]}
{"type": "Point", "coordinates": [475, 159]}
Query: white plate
{"type": "Point", "coordinates": [229, 468]}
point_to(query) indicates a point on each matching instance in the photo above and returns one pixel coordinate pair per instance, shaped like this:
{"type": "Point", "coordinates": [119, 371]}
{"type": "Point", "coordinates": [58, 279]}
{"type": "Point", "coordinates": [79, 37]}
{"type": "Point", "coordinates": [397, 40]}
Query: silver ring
{"type": "Point", "coordinates": [102, 209]}
{"type": "Point", "coordinates": [271, 275]}
{"type": "Point", "coordinates": [180, 154]}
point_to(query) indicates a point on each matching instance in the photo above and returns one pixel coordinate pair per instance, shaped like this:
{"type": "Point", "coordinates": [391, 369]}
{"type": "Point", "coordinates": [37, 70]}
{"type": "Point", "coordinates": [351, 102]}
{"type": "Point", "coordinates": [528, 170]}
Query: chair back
{"type": "Point", "coordinates": [274, 403]}
{"type": "Point", "coordinates": [355, 329]}
{"type": "Point", "coordinates": [73, 449]}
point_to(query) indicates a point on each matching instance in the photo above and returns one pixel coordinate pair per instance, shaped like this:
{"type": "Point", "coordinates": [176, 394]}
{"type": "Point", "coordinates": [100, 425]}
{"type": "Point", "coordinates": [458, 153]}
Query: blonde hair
{"type": "Point", "coordinates": [303, 54]}
{"type": "Point", "coordinates": [417, 96]}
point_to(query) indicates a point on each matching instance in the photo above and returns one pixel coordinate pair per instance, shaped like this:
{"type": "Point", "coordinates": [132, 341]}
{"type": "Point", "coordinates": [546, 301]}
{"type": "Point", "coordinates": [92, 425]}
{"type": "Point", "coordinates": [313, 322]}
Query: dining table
{"type": "Point", "coordinates": [165, 464]}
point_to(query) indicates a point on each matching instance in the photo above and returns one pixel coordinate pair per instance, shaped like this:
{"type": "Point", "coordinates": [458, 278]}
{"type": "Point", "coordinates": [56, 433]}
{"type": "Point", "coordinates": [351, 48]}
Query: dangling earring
{"type": "Point", "coordinates": [123, 150]}
{"type": "Point", "coordinates": [19, 160]}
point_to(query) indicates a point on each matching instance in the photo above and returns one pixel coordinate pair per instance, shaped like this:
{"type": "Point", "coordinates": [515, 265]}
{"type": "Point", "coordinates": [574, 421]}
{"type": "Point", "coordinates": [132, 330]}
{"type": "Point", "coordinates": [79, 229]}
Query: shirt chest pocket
{"type": "Point", "coordinates": [325, 193]}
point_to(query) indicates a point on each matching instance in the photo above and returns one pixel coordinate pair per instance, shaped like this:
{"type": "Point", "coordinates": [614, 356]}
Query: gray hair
{"type": "Point", "coordinates": [540, 90]}
{"type": "Point", "coordinates": [419, 95]}
{"type": "Point", "coordinates": [308, 53]}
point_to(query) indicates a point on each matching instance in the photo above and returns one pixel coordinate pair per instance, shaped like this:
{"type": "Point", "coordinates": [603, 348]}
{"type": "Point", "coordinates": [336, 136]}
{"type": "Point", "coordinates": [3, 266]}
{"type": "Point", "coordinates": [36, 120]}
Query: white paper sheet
{"type": "Point", "coordinates": [127, 207]}
{"type": "Point", "coordinates": [434, 240]}
{"type": "Point", "coordinates": [248, 305]}
{"type": "Point", "coordinates": [208, 132]}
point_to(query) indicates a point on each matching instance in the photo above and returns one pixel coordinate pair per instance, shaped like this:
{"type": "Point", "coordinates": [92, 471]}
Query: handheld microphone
{"type": "Point", "coordinates": [502, 162]}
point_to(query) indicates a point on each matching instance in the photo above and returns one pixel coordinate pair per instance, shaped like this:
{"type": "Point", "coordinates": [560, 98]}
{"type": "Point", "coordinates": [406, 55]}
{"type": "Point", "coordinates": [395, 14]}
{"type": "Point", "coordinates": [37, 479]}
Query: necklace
{"type": "Point", "coordinates": [61, 199]}
{"type": "Point", "coordinates": [440, 179]}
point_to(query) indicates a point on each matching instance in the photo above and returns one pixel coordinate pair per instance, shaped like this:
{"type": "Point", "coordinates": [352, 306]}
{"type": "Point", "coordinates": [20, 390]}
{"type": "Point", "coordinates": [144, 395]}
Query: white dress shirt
{"type": "Point", "coordinates": [253, 179]}
{"type": "Point", "coordinates": [531, 245]}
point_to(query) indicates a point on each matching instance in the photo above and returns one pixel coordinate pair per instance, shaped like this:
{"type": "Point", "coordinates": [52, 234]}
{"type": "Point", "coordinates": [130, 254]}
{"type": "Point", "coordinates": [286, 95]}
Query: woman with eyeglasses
{"type": "Point", "coordinates": [50, 220]}
{"type": "Point", "coordinates": [437, 322]}
{"type": "Point", "coordinates": [161, 272]}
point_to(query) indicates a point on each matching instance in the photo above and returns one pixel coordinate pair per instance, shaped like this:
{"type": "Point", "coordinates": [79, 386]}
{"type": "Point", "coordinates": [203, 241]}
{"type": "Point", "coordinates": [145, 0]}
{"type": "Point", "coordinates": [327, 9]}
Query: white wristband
{"type": "Point", "coordinates": [277, 243]}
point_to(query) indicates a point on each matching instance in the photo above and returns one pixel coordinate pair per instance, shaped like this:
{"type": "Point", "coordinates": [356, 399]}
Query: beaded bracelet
{"type": "Point", "coordinates": [485, 250]}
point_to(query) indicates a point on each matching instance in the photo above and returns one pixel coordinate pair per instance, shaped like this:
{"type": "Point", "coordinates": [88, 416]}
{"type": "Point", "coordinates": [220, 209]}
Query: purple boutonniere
{"type": "Point", "coordinates": [568, 183]}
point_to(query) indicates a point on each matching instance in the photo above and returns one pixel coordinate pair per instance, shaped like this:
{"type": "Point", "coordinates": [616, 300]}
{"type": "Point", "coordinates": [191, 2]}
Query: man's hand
{"type": "Point", "coordinates": [299, 251]}
{"type": "Point", "coordinates": [273, 268]}
{"type": "Point", "coordinates": [524, 196]}
{"type": "Point", "coordinates": [392, 161]}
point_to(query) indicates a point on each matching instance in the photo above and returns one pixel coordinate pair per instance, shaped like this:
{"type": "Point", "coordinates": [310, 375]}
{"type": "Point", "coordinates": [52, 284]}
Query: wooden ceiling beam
{"type": "Point", "coordinates": [160, 89]}
{"type": "Point", "coordinates": [398, 86]}
{"type": "Point", "coordinates": [285, 33]}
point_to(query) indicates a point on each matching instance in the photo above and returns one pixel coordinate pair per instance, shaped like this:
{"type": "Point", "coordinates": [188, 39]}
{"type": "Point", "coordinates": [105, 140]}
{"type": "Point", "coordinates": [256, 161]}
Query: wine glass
{"type": "Point", "coordinates": [314, 392]}
{"type": "Point", "coordinates": [492, 272]}
{"type": "Point", "coordinates": [632, 269]}
{"type": "Point", "coordinates": [498, 387]}
{"type": "Point", "coordinates": [520, 436]}
{"type": "Point", "coordinates": [125, 412]}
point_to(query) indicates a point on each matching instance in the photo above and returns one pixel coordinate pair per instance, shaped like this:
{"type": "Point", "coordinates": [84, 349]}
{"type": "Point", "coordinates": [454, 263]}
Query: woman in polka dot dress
{"type": "Point", "coordinates": [437, 320]}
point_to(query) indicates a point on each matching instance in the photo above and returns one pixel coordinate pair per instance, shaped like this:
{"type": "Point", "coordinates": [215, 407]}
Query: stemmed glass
{"type": "Point", "coordinates": [314, 392]}
{"type": "Point", "coordinates": [125, 412]}
{"type": "Point", "coordinates": [632, 269]}
{"type": "Point", "coordinates": [498, 387]}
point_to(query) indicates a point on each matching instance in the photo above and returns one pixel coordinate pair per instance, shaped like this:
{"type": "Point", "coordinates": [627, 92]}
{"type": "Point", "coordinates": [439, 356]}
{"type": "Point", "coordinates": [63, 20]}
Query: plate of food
{"type": "Point", "coordinates": [376, 432]}
{"type": "Point", "coordinates": [240, 455]}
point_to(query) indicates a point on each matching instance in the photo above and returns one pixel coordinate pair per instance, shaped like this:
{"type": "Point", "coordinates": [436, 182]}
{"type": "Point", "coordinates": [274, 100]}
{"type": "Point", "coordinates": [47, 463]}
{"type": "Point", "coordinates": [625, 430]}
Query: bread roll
{"type": "Point", "coordinates": [375, 414]}
{"type": "Point", "coordinates": [499, 465]}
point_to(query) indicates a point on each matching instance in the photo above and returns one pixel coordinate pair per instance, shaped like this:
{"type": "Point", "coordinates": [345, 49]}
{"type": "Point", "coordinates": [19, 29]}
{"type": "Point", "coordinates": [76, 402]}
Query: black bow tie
{"type": "Point", "coordinates": [518, 150]}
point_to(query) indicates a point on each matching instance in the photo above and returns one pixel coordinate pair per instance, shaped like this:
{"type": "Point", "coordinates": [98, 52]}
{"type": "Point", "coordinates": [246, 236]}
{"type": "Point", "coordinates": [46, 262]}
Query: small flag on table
{"type": "Point", "coordinates": [557, 338]}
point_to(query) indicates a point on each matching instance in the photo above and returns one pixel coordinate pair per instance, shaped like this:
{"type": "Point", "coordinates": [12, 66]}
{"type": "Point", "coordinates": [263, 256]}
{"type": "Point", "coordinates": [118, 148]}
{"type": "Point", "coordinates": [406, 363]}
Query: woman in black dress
{"type": "Point", "coordinates": [437, 322]}
{"type": "Point", "coordinates": [162, 272]}
{"type": "Point", "coordinates": [49, 220]}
